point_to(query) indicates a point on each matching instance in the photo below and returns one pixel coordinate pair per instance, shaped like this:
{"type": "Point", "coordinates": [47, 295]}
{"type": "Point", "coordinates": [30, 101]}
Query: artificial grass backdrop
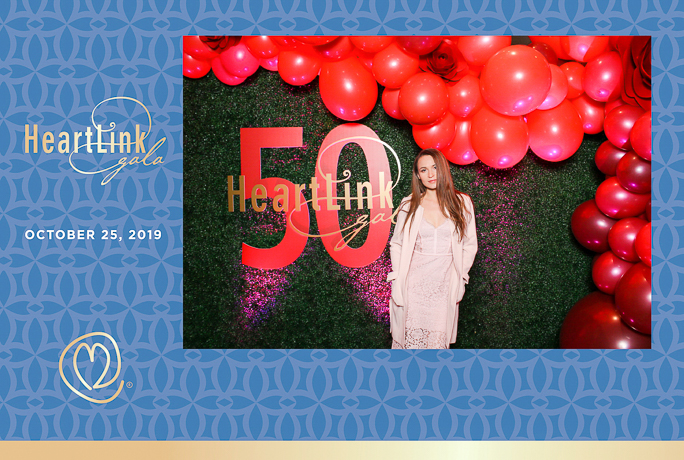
{"type": "Point", "coordinates": [528, 273]}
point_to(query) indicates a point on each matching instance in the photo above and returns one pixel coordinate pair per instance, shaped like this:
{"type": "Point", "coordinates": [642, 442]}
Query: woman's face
{"type": "Point", "coordinates": [427, 172]}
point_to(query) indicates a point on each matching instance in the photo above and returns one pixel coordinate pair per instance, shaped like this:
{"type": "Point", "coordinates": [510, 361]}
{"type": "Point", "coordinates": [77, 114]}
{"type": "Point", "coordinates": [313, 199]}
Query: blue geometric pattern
{"type": "Point", "coordinates": [58, 60]}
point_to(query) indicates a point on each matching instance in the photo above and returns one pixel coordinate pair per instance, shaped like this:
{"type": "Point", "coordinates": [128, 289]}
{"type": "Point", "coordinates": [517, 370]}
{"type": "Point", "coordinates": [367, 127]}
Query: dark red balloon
{"type": "Point", "coordinates": [419, 45]}
{"type": "Point", "coordinates": [640, 136]}
{"type": "Point", "coordinates": [634, 173]}
{"type": "Point", "coordinates": [643, 244]}
{"type": "Point", "coordinates": [594, 322]}
{"type": "Point", "coordinates": [298, 66]}
{"type": "Point", "coordinates": [423, 99]}
{"type": "Point", "coordinates": [437, 135]}
{"type": "Point", "coordinates": [558, 90]}
{"type": "Point", "coordinates": [603, 77]}
{"type": "Point", "coordinates": [619, 123]}
{"type": "Point", "coordinates": [499, 141]}
{"type": "Point", "coordinates": [464, 96]}
{"type": "Point", "coordinates": [195, 68]}
{"type": "Point", "coordinates": [477, 49]}
{"type": "Point", "coordinates": [460, 151]}
{"type": "Point", "coordinates": [554, 43]}
{"type": "Point", "coordinates": [547, 51]}
{"type": "Point", "coordinates": [348, 89]}
{"type": "Point", "coordinates": [616, 202]}
{"type": "Point", "coordinates": [592, 113]}
{"type": "Point", "coordinates": [633, 298]}
{"type": "Point", "coordinates": [392, 66]}
{"type": "Point", "coordinates": [390, 102]}
{"type": "Point", "coordinates": [607, 158]}
{"type": "Point", "coordinates": [622, 237]}
{"type": "Point", "coordinates": [574, 72]}
{"type": "Point", "coordinates": [555, 134]}
{"type": "Point", "coordinates": [607, 271]}
{"type": "Point", "coordinates": [590, 226]}
{"type": "Point", "coordinates": [584, 48]}
{"type": "Point", "coordinates": [648, 211]}
{"type": "Point", "coordinates": [340, 48]}
{"type": "Point", "coordinates": [372, 44]}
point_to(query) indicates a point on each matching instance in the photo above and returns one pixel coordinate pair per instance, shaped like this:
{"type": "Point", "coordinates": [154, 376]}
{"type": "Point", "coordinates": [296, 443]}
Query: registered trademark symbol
{"type": "Point", "coordinates": [129, 384]}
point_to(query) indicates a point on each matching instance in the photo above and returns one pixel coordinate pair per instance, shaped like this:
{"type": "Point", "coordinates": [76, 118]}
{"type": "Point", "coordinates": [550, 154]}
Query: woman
{"type": "Point", "coordinates": [432, 249]}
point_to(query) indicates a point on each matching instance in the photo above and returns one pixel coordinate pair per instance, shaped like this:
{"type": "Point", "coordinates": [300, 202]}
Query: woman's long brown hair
{"type": "Point", "coordinates": [451, 202]}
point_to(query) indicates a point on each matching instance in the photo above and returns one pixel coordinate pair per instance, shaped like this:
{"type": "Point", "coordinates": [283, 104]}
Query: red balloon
{"type": "Point", "coordinates": [499, 141]}
{"type": "Point", "coordinates": [643, 244]}
{"type": "Point", "coordinates": [365, 58]}
{"type": "Point", "coordinates": [419, 45]}
{"type": "Point", "coordinates": [195, 68]}
{"type": "Point", "coordinates": [287, 43]}
{"type": "Point", "coordinates": [607, 158]}
{"type": "Point", "coordinates": [437, 135]}
{"type": "Point", "coordinates": [270, 63]}
{"type": "Point", "coordinates": [648, 211]}
{"type": "Point", "coordinates": [477, 49]}
{"type": "Point", "coordinates": [554, 43]}
{"type": "Point", "coordinates": [423, 99]}
{"type": "Point", "coordinates": [584, 48]}
{"type": "Point", "coordinates": [555, 134]}
{"type": "Point", "coordinates": [196, 48]}
{"type": "Point", "coordinates": [239, 61]}
{"type": "Point", "coordinates": [223, 75]}
{"type": "Point", "coordinates": [261, 46]}
{"type": "Point", "coordinates": [634, 173]}
{"type": "Point", "coordinates": [464, 96]}
{"type": "Point", "coordinates": [633, 298]}
{"type": "Point", "coordinates": [619, 123]}
{"type": "Point", "coordinates": [460, 151]}
{"type": "Point", "coordinates": [591, 227]}
{"type": "Point", "coordinates": [372, 44]}
{"type": "Point", "coordinates": [592, 113]}
{"type": "Point", "coordinates": [622, 237]}
{"type": "Point", "coordinates": [594, 322]}
{"type": "Point", "coordinates": [610, 105]}
{"type": "Point", "coordinates": [336, 50]}
{"type": "Point", "coordinates": [527, 78]}
{"type": "Point", "coordinates": [348, 90]}
{"type": "Point", "coordinates": [607, 271]}
{"type": "Point", "coordinates": [640, 136]}
{"type": "Point", "coordinates": [547, 51]}
{"type": "Point", "coordinates": [558, 90]}
{"type": "Point", "coordinates": [393, 66]}
{"type": "Point", "coordinates": [316, 40]}
{"type": "Point", "coordinates": [574, 72]}
{"type": "Point", "coordinates": [616, 202]}
{"type": "Point", "coordinates": [298, 67]}
{"type": "Point", "coordinates": [603, 77]}
{"type": "Point", "coordinates": [390, 102]}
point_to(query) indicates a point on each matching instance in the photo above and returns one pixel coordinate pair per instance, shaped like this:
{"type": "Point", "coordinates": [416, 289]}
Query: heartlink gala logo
{"type": "Point", "coordinates": [99, 384]}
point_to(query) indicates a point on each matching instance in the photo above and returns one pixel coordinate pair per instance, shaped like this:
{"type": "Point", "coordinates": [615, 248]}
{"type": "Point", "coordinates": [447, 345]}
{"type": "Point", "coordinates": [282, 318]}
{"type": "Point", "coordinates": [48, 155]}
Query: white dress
{"type": "Point", "coordinates": [428, 287]}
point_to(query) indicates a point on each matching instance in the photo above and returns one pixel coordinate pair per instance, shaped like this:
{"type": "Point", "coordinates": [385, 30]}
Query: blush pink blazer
{"type": "Point", "coordinates": [401, 248]}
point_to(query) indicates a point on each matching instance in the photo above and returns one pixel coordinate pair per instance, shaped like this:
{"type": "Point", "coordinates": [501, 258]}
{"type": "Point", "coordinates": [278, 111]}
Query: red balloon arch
{"type": "Point", "coordinates": [482, 98]}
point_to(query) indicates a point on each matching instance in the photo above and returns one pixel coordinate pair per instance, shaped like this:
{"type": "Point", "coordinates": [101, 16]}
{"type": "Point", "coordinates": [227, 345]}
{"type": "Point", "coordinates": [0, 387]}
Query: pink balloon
{"type": "Point", "coordinates": [477, 49]}
{"type": "Point", "coordinates": [223, 75]}
{"type": "Point", "coordinates": [195, 68]}
{"type": "Point", "coordinates": [336, 50]}
{"type": "Point", "coordinates": [499, 141]}
{"type": "Point", "coordinates": [393, 66]}
{"type": "Point", "coordinates": [584, 48]}
{"type": "Point", "coordinates": [640, 136]}
{"type": "Point", "coordinates": [616, 202]}
{"type": "Point", "coordinates": [618, 125]}
{"type": "Point", "coordinates": [633, 298]}
{"type": "Point", "coordinates": [607, 158]}
{"type": "Point", "coordinates": [607, 271]}
{"type": "Point", "coordinates": [558, 91]}
{"type": "Point", "coordinates": [603, 77]}
{"type": "Point", "coordinates": [298, 66]}
{"type": "Point", "coordinates": [460, 151]}
{"type": "Point", "coordinates": [574, 72]}
{"type": "Point", "coordinates": [464, 96]}
{"type": "Point", "coordinates": [423, 99]}
{"type": "Point", "coordinates": [419, 45]}
{"type": "Point", "coordinates": [643, 244]}
{"type": "Point", "coordinates": [390, 102]}
{"type": "Point", "coordinates": [527, 78]}
{"type": "Point", "coordinates": [592, 113]}
{"type": "Point", "coordinates": [591, 227]}
{"type": "Point", "coordinates": [239, 61]}
{"type": "Point", "coordinates": [348, 90]}
{"type": "Point", "coordinates": [622, 237]}
{"type": "Point", "coordinates": [634, 173]}
{"type": "Point", "coordinates": [437, 135]}
{"type": "Point", "coordinates": [555, 134]}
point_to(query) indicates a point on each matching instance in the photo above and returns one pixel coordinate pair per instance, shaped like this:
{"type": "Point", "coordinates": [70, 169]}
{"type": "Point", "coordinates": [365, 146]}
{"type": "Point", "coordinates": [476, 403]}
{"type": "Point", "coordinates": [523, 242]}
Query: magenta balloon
{"type": "Point", "coordinates": [622, 237]}
{"type": "Point", "coordinates": [499, 141]}
{"type": "Point", "coordinates": [195, 68]}
{"type": "Point", "coordinates": [298, 67]}
{"type": "Point", "coordinates": [643, 244]}
{"type": "Point", "coordinates": [223, 75]}
{"type": "Point", "coordinates": [640, 136]}
{"type": "Point", "coordinates": [619, 123]}
{"type": "Point", "coordinates": [603, 77]}
{"type": "Point", "coordinates": [555, 134]}
{"type": "Point", "coordinates": [437, 135]}
{"type": "Point", "coordinates": [591, 227]}
{"type": "Point", "coordinates": [633, 298]}
{"type": "Point", "coordinates": [558, 91]}
{"type": "Point", "coordinates": [607, 271]}
{"type": "Point", "coordinates": [584, 48]}
{"type": "Point", "coordinates": [616, 202]}
{"type": "Point", "coordinates": [477, 49]}
{"type": "Point", "coordinates": [239, 61]}
{"type": "Point", "coordinates": [348, 89]}
{"type": "Point", "coordinates": [390, 102]}
{"type": "Point", "coordinates": [423, 99]}
{"type": "Point", "coordinates": [634, 173]}
{"type": "Point", "coordinates": [464, 96]}
{"type": "Point", "coordinates": [460, 151]}
{"type": "Point", "coordinates": [593, 322]}
{"type": "Point", "coordinates": [419, 45]}
{"type": "Point", "coordinates": [392, 66]}
{"type": "Point", "coordinates": [592, 113]}
{"type": "Point", "coordinates": [516, 80]}
{"type": "Point", "coordinates": [607, 158]}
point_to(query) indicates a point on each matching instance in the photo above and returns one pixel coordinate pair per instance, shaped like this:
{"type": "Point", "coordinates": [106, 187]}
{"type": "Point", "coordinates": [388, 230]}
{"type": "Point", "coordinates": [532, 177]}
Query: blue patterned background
{"type": "Point", "coordinates": [59, 59]}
